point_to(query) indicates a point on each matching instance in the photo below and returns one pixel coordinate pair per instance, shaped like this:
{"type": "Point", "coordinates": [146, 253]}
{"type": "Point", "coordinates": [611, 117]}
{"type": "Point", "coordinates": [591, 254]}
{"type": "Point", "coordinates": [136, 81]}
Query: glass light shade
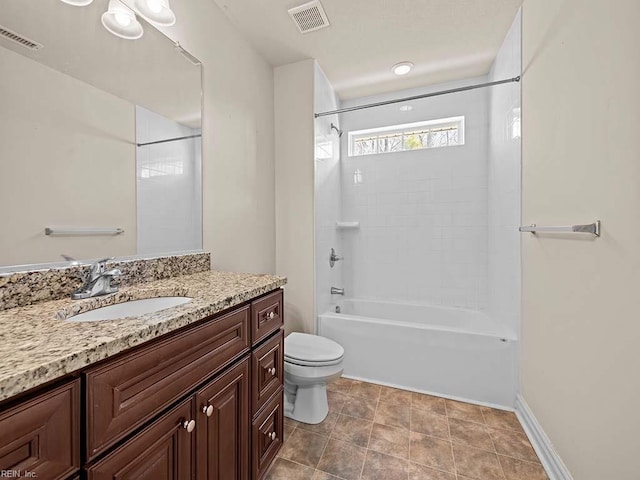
{"type": "Point", "coordinates": [121, 21]}
{"type": "Point", "coordinates": [156, 11]}
{"type": "Point", "coordinates": [78, 3]}
{"type": "Point", "coordinates": [402, 68]}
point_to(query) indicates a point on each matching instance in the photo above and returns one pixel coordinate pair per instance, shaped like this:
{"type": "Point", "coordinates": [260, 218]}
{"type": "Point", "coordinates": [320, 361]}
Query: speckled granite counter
{"type": "Point", "coordinates": [37, 345]}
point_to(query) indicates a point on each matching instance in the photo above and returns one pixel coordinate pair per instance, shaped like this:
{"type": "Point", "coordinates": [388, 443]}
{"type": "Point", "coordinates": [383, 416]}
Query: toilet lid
{"type": "Point", "coordinates": [302, 347]}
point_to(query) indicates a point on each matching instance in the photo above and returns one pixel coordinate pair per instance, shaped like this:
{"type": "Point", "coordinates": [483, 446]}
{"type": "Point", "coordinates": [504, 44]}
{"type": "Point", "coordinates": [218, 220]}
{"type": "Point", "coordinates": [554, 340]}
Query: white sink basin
{"type": "Point", "coordinates": [132, 308]}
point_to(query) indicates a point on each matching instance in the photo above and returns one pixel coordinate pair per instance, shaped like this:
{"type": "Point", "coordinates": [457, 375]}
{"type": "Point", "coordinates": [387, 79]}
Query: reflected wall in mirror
{"type": "Point", "coordinates": [95, 131]}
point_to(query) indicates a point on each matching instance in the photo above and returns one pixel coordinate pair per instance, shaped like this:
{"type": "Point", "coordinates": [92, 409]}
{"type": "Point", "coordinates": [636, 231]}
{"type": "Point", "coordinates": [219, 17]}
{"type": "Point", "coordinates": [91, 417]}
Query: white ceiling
{"type": "Point", "coordinates": [446, 39]}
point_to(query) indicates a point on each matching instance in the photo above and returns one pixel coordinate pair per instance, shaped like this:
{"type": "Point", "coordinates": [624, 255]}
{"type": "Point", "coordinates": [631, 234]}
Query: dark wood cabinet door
{"type": "Point", "coordinates": [267, 375]}
{"type": "Point", "coordinates": [125, 393]}
{"type": "Point", "coordinates": [42, 435]}
{"type": "Point", "coordinates": [161, 451]}
{"type": "Point", "coordinates": [267, 434]}
{"type": "Point", "coordinates": [267, 316]}
{"type": "Point", "coordinates": [222, 451]}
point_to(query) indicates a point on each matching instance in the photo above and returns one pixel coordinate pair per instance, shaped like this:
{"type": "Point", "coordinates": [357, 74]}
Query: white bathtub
{"type": "Point", "coordinates": [450, 352]}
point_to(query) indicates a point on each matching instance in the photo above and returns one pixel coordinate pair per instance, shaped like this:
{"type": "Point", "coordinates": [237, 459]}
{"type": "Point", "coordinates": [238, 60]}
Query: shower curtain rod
{"type": "Point", "coordinates": [417, 97]}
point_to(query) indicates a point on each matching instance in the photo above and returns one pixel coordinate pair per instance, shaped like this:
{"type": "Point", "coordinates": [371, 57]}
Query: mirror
{"type": "Point", "coordinates": [99, 137]}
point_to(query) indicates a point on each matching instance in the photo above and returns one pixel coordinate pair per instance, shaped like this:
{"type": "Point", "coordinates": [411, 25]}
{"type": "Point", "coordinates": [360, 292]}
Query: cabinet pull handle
{"type": "Point", "coordinates": [189, 425]}
{"type": "Point", "coordinates": [207, 410]}
{"type": "Point", "coordinates": [271, 315]}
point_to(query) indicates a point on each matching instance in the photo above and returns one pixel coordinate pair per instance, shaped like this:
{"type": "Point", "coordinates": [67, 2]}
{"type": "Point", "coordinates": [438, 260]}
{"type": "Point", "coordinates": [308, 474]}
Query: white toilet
{"type": "Point", "coordinates": [310, 363]}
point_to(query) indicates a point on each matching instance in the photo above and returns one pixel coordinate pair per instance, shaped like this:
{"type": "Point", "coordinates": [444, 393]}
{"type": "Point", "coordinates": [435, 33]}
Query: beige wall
{"type": "Point", "coordinates": [581, 162]}
{"type": "Point", "coordinates": [62, 165]}
{"type": "Point", "coordinates": [237, 136]}
{"type": "Point", "coordinates": [294, 140]}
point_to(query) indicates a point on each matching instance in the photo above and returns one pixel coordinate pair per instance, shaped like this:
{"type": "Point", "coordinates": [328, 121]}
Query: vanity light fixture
{"type": "Point", "coordinates": [121, 21]}
{"type": "Point", "coordinates": [78, 3]}
{"type": "Point", "coordinates": [402, 68]}
{"type": "Point", "coordinates": [156, 11]}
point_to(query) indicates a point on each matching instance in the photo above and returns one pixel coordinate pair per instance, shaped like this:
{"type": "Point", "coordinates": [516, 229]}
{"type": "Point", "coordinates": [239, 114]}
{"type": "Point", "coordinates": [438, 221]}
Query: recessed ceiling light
{"type": "Point", "coordinates": [406, 108]}
{"type": "Point", "coordinates": [402, 68]}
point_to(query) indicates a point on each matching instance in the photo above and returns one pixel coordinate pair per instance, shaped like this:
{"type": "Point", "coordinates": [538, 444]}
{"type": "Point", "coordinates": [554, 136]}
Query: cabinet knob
{"type": "Point", "coordinates": [189, 425]}
{"type": "Point", "coordinates": [207, 410]}
{"type": "Point", "coordinates": [272, 371]}
{"type": "Point", "coordinates": [272, 435]}
{"type": "Point", "coordinates": [271, 315]}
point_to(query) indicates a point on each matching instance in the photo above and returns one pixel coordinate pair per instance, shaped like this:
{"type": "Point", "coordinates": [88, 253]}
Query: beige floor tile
{"type": "Point", "coordinates": [286, 470]}
{"type": "Point", "coordinates": [477, 464]}
{"type": "Point", "coordinates": [470, 433]}
{"type": "Point", "coordinates": [340, 385]}
{"type": "Point", "coordinates": [428, 423]}
{"type": "Point", "coordinates": [395, 396]}
{"type": "Point", "coordinates": [464, 411]}
{"type": "Point", "coordinates": [352, 430]}
{"type": "Point", "coordinates": [390, 440]}
{"type": "Point", "coordinates": [501, 419]}
{"type": "Point", "coordinates": [320, 475]}
{"type": "Point", "coordinates": [360, 408]}
{"type": "Point", "coordinates": [393, 415]}
{"type": "Point", "coordinates": [378, 466]}
{"type": "Point", "coordinates": [365, 390]}
{"type": "Point", "coordinates": [304, 447]}
{"type": "Point", "coordinates": [336, 401]}
{"type": "Point", "coordinates": [288, 430]}
{"type": "Point", "coordinates": [342, 459]}
{"type": "Point", "coordinates": [512, 444]}
{"type": "Point", "coordinates": [420, 472]}
{"type": "Point", "coordinates": [515, 469]}
{"type": "Point", "coordinates": [428, 402]}
{"type": "Point", "coordinates": [431, 452]}
{"type": "Point", "coordinates": [323, 428]}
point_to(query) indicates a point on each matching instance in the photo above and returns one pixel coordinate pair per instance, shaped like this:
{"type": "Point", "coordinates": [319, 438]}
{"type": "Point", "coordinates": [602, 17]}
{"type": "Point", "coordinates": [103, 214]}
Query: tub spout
{"type": "Point", "coordinates": [337, 291]}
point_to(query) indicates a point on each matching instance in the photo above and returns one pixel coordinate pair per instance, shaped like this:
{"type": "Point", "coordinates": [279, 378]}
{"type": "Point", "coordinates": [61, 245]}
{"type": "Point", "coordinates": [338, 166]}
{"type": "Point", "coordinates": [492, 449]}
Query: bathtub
{"type": "Point", "coordinates": [450, 352]}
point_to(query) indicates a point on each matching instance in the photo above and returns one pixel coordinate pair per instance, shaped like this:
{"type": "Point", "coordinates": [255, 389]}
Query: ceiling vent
{"type": "Point", "coordinates": [19, 39]}
{"type": "Point", "coordinates": [309, 17]}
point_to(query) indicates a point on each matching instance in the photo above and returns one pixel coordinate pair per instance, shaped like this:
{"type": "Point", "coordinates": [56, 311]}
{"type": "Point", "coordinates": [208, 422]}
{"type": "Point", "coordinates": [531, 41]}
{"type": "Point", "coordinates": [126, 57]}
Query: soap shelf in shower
{"type": "Point", "coordinates": [347, 225]}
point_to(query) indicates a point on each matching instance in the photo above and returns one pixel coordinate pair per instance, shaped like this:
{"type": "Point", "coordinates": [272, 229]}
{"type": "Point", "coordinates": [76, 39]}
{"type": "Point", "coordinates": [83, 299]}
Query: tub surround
{"type": "Point", "coordinates": [38, 346]}
{"type": "Point", "coordinates": [18, 289]}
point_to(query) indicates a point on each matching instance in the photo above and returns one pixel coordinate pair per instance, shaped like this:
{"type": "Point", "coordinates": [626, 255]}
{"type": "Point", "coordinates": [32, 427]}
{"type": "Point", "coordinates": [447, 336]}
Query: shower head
{"type": "Point", "coordinates": [338, 131]}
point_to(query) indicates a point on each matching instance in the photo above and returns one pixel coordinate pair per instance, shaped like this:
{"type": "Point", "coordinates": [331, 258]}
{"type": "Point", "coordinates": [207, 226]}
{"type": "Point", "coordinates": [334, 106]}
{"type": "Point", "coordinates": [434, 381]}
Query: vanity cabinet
{"type": "Point", "coordinates": [42, 435]}
{"type": "Point", "coordinates": [203, 403]}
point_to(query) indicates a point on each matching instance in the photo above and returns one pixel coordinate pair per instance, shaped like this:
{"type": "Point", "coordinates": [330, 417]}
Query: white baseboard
{"type": "Point", "coordinates": [551, 461]}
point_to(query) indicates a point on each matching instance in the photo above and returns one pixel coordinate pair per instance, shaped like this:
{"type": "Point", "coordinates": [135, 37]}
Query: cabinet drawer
{"type": "Point", "coordinates": [125, 393]}
{"type": "Point", "coordinates": [267, 432]}
{"type": "Point", "coordinates": [266, 316]}
{"type": "Point", "coordinates": [162, 451]}
{"type": "Point", "coordinates": [267, 363]}
{"type": "Point", "coordinates": [222, 417]}
{"type": "Point", "coordinates": [42, 435]}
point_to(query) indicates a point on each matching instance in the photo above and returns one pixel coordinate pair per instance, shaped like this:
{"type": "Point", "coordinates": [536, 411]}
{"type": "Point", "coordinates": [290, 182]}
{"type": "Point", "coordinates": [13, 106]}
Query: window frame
{"type": "Point", "coordinates": [405, 129]}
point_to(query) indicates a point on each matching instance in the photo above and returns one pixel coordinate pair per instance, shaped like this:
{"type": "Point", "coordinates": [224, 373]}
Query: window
{"type": "Point", "coordinates": [444, 132]}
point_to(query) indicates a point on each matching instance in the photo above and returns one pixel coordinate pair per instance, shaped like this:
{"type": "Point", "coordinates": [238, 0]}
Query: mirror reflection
{"type": "Point", "coordinates": [99, 137]}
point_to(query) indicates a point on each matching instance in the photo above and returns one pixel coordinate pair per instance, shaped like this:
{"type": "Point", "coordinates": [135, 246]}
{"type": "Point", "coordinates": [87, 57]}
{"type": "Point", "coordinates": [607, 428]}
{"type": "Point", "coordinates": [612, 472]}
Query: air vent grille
{"type": "Point", "coordinates": [309, 17]}
{"type": "Point", "coordinates": [19, 39]}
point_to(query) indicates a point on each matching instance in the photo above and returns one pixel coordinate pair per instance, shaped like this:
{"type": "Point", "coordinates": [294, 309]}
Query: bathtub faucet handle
{"type": "Point", "coordinates": [337, 291]}
{"type": "Point", "coordinates": [333, 258]}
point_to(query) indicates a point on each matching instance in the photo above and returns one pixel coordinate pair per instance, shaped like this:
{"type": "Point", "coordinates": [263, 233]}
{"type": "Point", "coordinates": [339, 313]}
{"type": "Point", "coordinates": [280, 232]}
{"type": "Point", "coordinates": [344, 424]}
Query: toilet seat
{"type": "Point", "coordinates": [311, 350]}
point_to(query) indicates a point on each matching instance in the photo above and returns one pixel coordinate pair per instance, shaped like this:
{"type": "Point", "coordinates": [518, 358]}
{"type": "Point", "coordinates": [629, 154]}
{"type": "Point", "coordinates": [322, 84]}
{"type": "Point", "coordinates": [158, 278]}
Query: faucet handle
{"type": "Point", "coordinates": [98, 267]}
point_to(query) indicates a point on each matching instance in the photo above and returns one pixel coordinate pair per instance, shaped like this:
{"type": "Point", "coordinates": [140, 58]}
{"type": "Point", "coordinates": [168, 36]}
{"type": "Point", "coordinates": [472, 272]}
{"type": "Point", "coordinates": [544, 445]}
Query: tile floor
{"type": "Point", "coordinates": [380, 433]}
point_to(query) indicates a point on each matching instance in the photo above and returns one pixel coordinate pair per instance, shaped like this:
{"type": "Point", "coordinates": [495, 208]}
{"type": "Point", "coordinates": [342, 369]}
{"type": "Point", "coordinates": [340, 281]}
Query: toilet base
{"type": "Point", "coordinates": [306, 404]}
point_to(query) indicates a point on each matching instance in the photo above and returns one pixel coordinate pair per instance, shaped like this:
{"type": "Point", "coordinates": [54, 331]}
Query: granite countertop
{"type": "Point", "coordinates": [37, 345]}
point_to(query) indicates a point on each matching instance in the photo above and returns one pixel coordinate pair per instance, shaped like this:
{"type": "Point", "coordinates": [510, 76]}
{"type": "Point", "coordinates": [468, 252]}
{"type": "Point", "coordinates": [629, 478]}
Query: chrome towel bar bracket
{"type": "Point", "coordinates": [592, 228]}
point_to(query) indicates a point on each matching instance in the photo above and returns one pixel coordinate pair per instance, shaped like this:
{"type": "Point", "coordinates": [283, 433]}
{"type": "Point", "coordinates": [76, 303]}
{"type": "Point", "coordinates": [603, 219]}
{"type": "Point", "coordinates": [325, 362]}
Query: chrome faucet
{"type": "Point", "coordinates": [337, 291]}
{"type": "Point", "coordinates": [98, 282]}
{"type": "Point", "coordinates": [333, 258]}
